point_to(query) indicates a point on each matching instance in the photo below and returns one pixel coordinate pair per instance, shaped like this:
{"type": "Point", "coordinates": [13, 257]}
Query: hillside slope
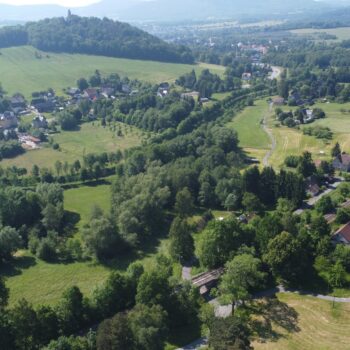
{"type": "Point", "coordinates": [94, 36]}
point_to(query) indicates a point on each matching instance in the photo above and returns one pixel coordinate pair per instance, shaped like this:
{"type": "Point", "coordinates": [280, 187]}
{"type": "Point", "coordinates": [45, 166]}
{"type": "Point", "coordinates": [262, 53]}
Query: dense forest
{"type": "Point", "coordinates": [93, 36]}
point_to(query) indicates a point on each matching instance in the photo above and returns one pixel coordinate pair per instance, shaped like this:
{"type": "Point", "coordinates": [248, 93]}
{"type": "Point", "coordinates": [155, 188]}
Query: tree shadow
{"type": "Point", "coordinates": [71, 220]}
{"type": "Point", "coordinates": [91, 183]}
{"type": "Point", "coordinates": [270, 313]}
{"type": "Point", "coordinates": [147, 248]}
{"type": "Point", "coordinates": [16, 266]}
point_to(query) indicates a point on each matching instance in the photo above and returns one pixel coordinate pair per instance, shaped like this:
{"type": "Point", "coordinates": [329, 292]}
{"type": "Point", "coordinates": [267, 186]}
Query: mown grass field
{"type": "Point", "coordinates": [21, 71]}
{"type": "Point", "coordinates": [342, 33]}
{"type": "Point", "coordinates": [307, 323]}
{"type": "Point", "coordinates": [248, 126]}
{"type": "Point", "coordinates": [290, 141]}
{"type": "Point", "coordinates": [90, 138]}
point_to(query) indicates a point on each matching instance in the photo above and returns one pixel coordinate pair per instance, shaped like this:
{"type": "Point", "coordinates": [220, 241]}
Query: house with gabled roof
{"type": "Point", "coordinates": [342, 236]}
{"type": "Point", "coordinates": [342, 162]}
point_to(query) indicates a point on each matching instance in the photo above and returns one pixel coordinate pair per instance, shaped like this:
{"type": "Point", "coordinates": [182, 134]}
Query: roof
{"type": "Point", "coordinates": [344, 232]}
{"type": "Point", "coordinates": [345, 159]}
{"type": "Point", "coordinates": [346, 204]}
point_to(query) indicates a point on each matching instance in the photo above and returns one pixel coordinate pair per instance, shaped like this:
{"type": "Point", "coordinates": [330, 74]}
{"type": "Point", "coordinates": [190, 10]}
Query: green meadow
{"type": "Point", "coordinates": [27, 272]}
{"type": "Point", "coordinates": [21, 71]}
{"type": "Point", "coordinates": [90, 138]}
{"type": "Point", "coordinates": [290, 141]}
{"type": "Point", "coordinates": [342, 33]}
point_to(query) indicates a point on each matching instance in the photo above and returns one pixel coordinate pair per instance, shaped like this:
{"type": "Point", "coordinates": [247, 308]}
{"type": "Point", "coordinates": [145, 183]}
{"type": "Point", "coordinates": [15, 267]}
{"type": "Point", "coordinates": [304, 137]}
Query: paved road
{"type": "Point", "coordinates": [196, 344]}
{"type": "Point", "coordinates": [311, 202]}
{"type": "Point", "coordinates": [271, 137]}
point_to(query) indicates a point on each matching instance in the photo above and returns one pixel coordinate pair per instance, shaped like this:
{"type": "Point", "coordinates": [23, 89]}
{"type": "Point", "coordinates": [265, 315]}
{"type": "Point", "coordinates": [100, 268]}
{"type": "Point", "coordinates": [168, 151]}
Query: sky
{"type": "Point", "coordinates": [67, 3]}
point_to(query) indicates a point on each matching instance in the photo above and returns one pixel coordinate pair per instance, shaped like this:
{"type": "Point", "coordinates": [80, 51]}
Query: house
{"type": "Point", "coordinates": [247, 76]}
{"type": "Point", "coordinates": [73, 91]}
{"type": "Point", "coordinates": [165, 86]}
{"type": "Point", "coordinates": [278, 101]}
{"type": "Point", "coordinates": [162, 92]}
{"type": "Point", "coordinates": [342, 163]}
{"type": "Point", "coordinates": [126, 89]}
{"type": "Point", "coordinates": [312, 187]}
{"type": "Point", "coordinates": [107, 92]}
{"type": "Point", "coordinates": [193, 94]}
{"type": "Point", "coordinates": [18, 101]}
{"type": "Point", "coordinates": [342, 236]}
{"type": "Point", "coordinates": [40, 122]}
{"type": "Point", "coordinates": [8, 120]}
{"type": "Point", "coordinates": [91, 94]}
{"type": "Point", "coordinates": [308, 115]}
{"type": "Point", "coordinates": [43, 105]}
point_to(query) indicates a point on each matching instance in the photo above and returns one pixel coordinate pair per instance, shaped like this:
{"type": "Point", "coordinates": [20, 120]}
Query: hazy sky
{"type": "Point", "coordinates": [68, 3]}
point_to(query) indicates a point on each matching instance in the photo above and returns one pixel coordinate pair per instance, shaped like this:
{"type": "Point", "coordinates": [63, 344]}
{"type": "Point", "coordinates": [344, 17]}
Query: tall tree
{"type": "Point", "coordinates": [184, 203]}
{"type": "Point", "coordinates": [242, 274]}
{"type": "Point", "coordinates": [229, 334]}
{"type": "Point", "coordinates": [181, 241]}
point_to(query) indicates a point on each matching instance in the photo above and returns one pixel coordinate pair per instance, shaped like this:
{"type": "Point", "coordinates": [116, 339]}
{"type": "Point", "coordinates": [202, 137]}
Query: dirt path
{"type": "Point", "coordinates": [271, 137]}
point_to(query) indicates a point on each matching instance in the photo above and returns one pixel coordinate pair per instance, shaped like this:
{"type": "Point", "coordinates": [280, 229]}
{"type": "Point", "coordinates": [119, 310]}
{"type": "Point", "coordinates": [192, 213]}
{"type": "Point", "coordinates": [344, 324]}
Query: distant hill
{"type": "Point", "coordinates": [166, 10]}
{"type": "Point", "coordinates": [91, 35]}
{"type": "Point", "coordinates": [206, 9]}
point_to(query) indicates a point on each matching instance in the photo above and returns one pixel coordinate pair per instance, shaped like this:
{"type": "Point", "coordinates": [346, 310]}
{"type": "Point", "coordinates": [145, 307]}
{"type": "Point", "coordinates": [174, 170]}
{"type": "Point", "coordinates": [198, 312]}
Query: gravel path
{"type": "Point", "coordinates": [271, 137]}
{"type": "Point", "coordinates": [187, 273]}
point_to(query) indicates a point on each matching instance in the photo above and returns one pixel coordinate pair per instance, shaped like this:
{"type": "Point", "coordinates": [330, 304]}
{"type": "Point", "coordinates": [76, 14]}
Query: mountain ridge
{"type": "Point", "coordinates": [162, 10]}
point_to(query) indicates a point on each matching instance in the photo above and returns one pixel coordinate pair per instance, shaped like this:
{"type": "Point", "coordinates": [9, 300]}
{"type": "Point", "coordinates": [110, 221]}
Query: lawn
{"type": "Point", "coordinates": [342, 33]}
{"type": "Point", "coordinates": [306, 323]}
{"type": "Point", "coordinates": [21, 71]}
{"type": "Point", "coordinates": [43, 283]}
{"type": "Point", "coordinates": [90, 138]}
{"type": "Point", "coordinates": [290, 141]}
{"type": "Point", "coordinates": [248, 126]}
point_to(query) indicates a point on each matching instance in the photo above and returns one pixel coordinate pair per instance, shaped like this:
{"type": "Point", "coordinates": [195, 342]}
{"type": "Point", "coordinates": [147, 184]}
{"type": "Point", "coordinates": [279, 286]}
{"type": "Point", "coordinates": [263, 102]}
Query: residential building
{"type": "Point", "coordinates": [342, 163]}
{"type": "Point", "coordinates": [8, 120]}
{"type": "Point", "coordinates": [40, 122]}
{"type": "Point", "coordinates": [342, 236]}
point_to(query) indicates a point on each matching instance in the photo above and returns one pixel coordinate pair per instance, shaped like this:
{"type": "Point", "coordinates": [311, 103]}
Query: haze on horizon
{"type": "Point", "coordinates": [65, 3]}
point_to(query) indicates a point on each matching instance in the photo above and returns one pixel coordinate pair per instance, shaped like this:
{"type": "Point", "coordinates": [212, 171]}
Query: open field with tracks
{"type": "Point", "coordinates": [290, 141]}
{"type": "Point", "coordinates": [248, 126]}
{"type": "Point", "coordinates": [306, 323]}
{"type": "Point", "coordinates": [90, 138]}
{"type": "Point", "coordinates": [21, 71]}
{"type": "Point", "coordinates": [342, 33]}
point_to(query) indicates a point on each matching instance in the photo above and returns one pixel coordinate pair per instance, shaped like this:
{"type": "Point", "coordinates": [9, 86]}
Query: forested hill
{"type": "Point", "coordinates": [91, 35]}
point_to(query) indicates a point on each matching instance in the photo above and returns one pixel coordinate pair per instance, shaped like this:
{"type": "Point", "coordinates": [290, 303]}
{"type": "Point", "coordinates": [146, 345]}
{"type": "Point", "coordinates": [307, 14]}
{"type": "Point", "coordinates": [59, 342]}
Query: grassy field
{"type": "Point", "coordinates": [290, 141]}
{"type": "Point", "coordinates": [21, 71]}
{"type": "Point", "coordinates": [91, 138]}
{"type": "Point", "coordinates": [305, 323]}
{"type": "Point", "coordinates": [342, 33]}
{"type": "Point", "coordinates": [248, 126]}
{"type": "Point", "coordinates": [40, 282]}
